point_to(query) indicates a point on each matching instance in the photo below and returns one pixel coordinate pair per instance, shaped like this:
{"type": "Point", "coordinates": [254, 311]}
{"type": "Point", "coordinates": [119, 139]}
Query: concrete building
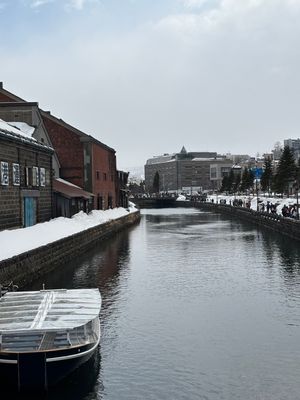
{"type": "Point", "coordinates": [186, 171]}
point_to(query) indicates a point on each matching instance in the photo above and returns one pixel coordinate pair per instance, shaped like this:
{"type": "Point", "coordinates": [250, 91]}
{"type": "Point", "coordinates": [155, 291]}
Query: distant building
{"type": "Point", "coordinates": [186, 171]}
{"type": "Point", "coordinates": [25, 178]}
{"type": "Point", "coordinates": [294, 145]}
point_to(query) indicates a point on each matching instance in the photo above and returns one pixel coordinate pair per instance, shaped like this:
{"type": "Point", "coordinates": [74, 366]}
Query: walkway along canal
{"type": "Point", "coordinates": [196, 305]}
{"type": "Point", "coordinates": [285, 226]}
{"type": "Point", "coordinates": [27, 266]}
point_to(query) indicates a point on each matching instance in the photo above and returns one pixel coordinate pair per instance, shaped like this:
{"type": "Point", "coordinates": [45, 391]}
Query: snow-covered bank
{"type": "Point", "coordinates": [17, 241]}
{"type": "Point", "coordinates": [279, 202]}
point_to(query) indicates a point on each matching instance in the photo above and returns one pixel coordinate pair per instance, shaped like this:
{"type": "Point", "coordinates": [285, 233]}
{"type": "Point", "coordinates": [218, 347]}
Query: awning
{"type": "Point", "coordinates": [69, 190]}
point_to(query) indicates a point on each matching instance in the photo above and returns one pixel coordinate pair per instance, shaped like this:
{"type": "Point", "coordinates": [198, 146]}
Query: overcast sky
{"type": "Point", "coordinates": [149, 76]}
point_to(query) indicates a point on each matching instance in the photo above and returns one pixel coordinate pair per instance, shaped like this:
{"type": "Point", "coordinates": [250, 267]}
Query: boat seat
{"type": "Point", "coordinates": [48, 340]}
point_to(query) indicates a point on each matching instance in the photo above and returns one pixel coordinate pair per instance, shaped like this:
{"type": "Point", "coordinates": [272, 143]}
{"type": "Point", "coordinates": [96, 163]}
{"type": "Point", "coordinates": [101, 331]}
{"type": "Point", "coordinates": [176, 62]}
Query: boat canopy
{"type": "Point", "coordinates": [48, 310]}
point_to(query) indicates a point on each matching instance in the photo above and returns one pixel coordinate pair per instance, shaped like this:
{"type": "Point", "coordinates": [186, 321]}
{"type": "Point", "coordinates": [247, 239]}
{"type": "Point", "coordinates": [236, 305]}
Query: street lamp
{"type": "Point", "coordinates": [256, 185]}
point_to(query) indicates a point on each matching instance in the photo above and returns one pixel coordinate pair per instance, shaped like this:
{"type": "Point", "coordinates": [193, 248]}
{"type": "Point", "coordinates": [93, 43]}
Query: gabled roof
{"type": "Point", "coordinates": [83, 136]}
{"type": "Point", "coordinates": [9, 94]}
{"type": "Point", "coordinates": [47, 114]}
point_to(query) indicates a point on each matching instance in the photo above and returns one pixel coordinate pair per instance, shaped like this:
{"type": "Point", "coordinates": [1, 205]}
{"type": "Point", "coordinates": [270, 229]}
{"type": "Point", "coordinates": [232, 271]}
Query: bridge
{"type": "Point", "coordinates": [154, 202]}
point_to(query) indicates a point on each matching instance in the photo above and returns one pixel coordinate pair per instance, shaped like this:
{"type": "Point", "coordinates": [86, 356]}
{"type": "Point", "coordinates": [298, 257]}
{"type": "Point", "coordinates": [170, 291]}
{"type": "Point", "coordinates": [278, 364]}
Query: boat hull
{"type": "Point", "coordinates": [40, 370]}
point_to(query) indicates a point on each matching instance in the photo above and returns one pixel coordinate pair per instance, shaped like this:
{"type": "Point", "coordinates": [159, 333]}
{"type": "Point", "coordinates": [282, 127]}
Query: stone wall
{"type": "Point", "coordinates": [26, 267]}
{"type": "Point", "coordinates": [12, 196]}
{"type": "Point", "coordinates": [286, 226]}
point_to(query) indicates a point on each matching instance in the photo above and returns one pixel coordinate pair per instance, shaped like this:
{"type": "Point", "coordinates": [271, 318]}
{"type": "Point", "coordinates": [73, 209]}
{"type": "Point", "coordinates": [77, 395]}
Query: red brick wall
{"type": "Point", "coordinates": [104, 183]}
{"type": "Point", "coordinates": [69, 150]}
{"type": "Point", "coordinates": [4, 98]}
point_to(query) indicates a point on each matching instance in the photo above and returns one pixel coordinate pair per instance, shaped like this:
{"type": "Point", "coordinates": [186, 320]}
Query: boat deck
{"type": "Point", "coordinates": [48, 319]}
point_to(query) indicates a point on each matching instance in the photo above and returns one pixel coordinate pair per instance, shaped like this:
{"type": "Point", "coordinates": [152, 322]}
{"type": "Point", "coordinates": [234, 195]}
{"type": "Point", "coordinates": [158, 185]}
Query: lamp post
{"type": "Point", "coordinates": [256, 184]}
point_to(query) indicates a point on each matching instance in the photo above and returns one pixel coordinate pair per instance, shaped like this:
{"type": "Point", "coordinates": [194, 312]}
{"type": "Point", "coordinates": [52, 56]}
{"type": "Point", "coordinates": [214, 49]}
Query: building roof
{"type": "Point", "coordinates": [20, 102]}
{"type": "Point", "coordinates": [20, 132]}
{"type": "Point", "coordinates": [84, 136]}
{"type": "Point", "coordinates": [67, 189]}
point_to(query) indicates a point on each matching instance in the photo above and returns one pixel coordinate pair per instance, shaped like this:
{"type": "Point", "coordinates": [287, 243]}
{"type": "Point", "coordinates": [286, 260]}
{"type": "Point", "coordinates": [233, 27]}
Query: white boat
{"type": "Point", "coordinates": [46, 334]}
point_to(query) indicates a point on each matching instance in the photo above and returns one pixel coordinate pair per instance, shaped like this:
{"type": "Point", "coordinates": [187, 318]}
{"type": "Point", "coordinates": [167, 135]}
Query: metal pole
{"type": "Point", "coordinates": [256, 195]}
{"type": "Point", "coordinates": [297, 198]}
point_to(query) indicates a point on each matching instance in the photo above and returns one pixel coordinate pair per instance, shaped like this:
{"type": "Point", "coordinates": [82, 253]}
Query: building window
{"type": "Point", "coordinates": [35, 176]}
{"type": "Point", "coordinates": [104, 176]}
{"type": "Point", "coordinates": [42, 177]}
{"type": "Point", "coordinates": [28, 176]}
{"type": "Point", "coordinates": [98, 175]}
{"type": "Point", "coordinates": [16, 174]}
{"type": "Point", "coordinates": [4, 173]}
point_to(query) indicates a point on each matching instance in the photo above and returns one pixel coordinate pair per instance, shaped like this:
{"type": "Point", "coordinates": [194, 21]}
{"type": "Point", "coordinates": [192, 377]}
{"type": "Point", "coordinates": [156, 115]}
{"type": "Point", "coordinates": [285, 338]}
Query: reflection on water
{"type": "Point", "coordinates": [195, 306]}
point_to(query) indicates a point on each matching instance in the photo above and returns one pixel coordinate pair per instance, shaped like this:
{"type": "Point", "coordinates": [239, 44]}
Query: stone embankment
{"type": "Point", "coordinates": [26, 267]}
{"type": "Point", "coordinates": [286, 226]}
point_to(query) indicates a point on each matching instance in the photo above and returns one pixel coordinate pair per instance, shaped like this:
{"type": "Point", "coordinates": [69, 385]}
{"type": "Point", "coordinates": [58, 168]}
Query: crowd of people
{"type": "Point", "coordinates": [288, 211]}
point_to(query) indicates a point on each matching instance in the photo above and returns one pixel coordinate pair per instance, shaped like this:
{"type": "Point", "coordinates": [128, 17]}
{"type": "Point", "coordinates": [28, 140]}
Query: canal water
{"type": "Point", "coordinates": [195, 306]}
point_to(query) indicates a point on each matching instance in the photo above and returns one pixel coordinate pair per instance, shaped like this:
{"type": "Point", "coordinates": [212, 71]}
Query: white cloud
{"type": "Point", "coordinates": [226, 79]}
{"type": "Point", "coordinates": [39, 3]}
{"type": "Point", "coordinates": [194, 3]}
{"type": "Point", "coordinates": [79, 4]}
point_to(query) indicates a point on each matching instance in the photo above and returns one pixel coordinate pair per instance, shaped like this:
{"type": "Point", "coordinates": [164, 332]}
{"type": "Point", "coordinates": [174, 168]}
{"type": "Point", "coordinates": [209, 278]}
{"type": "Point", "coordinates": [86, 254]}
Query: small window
{"type": "Point", "coordinates": [42, 177]}
{"type": "Point", "coordinates": [4, 173]}
{"type": "Point", "coordinates": [104, 176]}
{"type": "Point", "coordinates": [28, 176]}
{"type": "Point", "coordinates": [35, 176]}
{"type": "Point", "coordinates": [16, 174]}
{"type": "Point", "coordinates": [98, 175]}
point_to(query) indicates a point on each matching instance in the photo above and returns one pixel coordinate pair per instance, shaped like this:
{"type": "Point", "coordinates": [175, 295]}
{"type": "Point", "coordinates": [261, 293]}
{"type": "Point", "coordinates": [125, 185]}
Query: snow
{"type": "Point", "coordinates": [280, 202]}
{"type": "Point", "coordinates": [67, 182]}
{"type": "Point", "coordinates": [18, 241]}
{"type": "Point", "coordinates": [181, 198]}
{"type": "Point", "coordinates": [23, 127]}
{"type": "Point", "coordinates": [8, 127]}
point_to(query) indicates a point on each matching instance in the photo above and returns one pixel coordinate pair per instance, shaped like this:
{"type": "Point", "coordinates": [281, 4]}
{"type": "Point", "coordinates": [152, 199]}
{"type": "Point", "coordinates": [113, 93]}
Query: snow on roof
{"type": "Point", "coordinates": [23, 127]}
{"type": "Point", "coordinates": [21, 131]}
{"type": "Point", "coordinates": [8, 127]}
{"type": "Point", "coordinates": [204, 159]}
{"type": "Point", "coordinates": [67, 183]}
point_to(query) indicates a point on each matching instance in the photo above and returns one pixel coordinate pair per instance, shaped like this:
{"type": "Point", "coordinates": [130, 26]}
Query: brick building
{"type": "Point", "coordinates": [25, 179]}
{"type": "Point", "coordinates": [84, 160]}
{"type": "Point", "coordinates": [79, 158]}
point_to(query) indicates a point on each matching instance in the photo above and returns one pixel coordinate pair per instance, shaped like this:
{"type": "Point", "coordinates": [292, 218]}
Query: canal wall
{"type": "Point", "coordinates": [286, 226]}
{"type": "Point", "coordinates": [26, 267]}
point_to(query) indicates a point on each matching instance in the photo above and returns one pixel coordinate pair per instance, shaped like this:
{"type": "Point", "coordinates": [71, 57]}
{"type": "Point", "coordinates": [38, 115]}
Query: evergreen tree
{"type": "Point", "coordinates": [236, 183]}
{"type": "Point", "coordinates": [267, 176]}
{"type": "Point", "coordinates": [286, 172]}
{"type": "Point", "coordinates": [250, 180]}
{"type": "Point", "coordinates": [224, 187]}
{"type": "Point", "coordinates": [245, 179]}
{"type": "Point", "coordinates": [155, 186]}
{"type": "Point", "coordinates": [230, 181]}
